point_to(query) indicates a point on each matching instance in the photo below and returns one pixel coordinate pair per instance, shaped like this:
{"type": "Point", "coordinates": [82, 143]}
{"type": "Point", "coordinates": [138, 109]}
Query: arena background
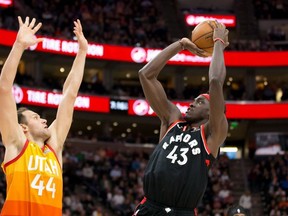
{"type": "Point", "coordinates": [114, 131]}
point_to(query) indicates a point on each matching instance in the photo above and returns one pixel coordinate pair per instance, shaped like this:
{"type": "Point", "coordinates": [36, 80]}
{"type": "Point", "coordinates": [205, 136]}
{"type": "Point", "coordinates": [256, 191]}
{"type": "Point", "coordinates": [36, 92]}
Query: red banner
{"type": "Point", "coordinates": [6, 3]}
{"type": "Point", "coordinates": [195, 19]}
{"type": "Point", "coordinates": [261, 110]}
{"type": "Point", "coordinates": [241, 110]}
{"type": "Point", "coordinates": [140, 107]}
{"type": "Point", "coordinates": [51, 99]}
{"type": "Point", "coordinates": [143, 55]}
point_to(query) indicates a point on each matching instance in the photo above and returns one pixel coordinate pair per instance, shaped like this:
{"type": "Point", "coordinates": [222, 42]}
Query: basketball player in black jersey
{"type": "Point", "coordinates": [176, 174]}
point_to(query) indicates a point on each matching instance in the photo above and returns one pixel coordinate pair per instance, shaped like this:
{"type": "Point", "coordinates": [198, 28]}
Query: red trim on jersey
{"type": "Point", "coordinates": [43, 148]}
{"type": "Point", "coordinates": [141, 203]}
{"type": "Point", "coordinates": [204, 140]}
{"type": "Point", "coordinates": [18, 156]}
{"type": "Point", "coordinates": [171, 126]}
{"type": "Point", "coordinates": [52, 150]}
{"type": "Point", "coordinates": [143, 200]}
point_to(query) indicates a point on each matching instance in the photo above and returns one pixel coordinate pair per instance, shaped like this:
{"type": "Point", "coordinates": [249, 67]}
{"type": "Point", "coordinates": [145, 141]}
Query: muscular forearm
{"type": "Point", "coordinates": [153, 68]}
{"type": "Point", "coordinates": [9, 69]}
{"type": "Point", "coordinates": [74, 79]}
{"type": "Point", "coordinates": [217, 69]}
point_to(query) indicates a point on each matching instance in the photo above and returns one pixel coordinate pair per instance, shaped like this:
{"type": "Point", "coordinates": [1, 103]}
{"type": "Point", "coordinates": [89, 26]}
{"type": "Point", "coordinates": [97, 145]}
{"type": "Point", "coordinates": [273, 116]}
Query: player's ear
{"type": "Point", "coordinates": [24, 127]}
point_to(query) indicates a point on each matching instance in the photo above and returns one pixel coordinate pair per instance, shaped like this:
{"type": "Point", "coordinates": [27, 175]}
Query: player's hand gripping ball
{"type": "Point", "coordinates": [202, 36]}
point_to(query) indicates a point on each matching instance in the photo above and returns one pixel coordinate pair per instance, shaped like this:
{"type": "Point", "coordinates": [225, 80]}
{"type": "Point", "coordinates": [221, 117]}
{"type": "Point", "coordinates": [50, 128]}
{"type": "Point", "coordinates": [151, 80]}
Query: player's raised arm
{"type": "Point", "coordinates": [153, 89]}
{"type": "Point", "coordinates": [10, 130]}
{"type": "Point", "coordinates": [217, 126]}
{"type": "Point", "coordinates": [60, 127]}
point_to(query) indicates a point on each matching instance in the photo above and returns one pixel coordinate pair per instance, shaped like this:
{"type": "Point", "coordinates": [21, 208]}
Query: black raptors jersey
{"type": "Point", "coordinates": [177, 172]}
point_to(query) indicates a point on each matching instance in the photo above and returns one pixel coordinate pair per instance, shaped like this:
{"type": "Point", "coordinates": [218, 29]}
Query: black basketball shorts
{"type": "Point", "coordinates": [149, 208]}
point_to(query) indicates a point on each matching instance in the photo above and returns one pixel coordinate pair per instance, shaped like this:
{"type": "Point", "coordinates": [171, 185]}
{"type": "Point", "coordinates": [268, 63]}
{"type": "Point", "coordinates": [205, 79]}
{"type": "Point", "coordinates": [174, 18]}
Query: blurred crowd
{"type": "Point", "coordinates": [271, 9]}
{"type": "Point", "coordinates": [269, 176]}
{"type": "Point", "coordinates": [132, 22]}
{"type": "Point", "coordinates": [121, 22]}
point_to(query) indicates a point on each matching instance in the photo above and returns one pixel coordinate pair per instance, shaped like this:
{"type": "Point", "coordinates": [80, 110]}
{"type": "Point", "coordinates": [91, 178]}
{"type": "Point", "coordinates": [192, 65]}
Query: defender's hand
{"type": "Point", "coordinates": [26, 33]}
{"type": "Point", "coordinates": [83, 43]}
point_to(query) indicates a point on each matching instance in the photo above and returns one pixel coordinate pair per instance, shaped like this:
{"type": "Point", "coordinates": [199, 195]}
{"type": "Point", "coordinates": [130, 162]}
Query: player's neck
{"type": "Point", "coordinates": [39, 141]}
{"type": "Point", "coordinates": [197, 124]}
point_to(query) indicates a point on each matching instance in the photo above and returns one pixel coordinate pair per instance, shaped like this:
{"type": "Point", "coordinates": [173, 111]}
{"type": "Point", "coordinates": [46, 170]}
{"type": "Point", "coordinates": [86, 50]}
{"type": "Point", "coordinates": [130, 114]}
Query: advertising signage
{"type": "Point", "coordinates": [118, 106]}
{"type": "Point", "coordinates": [6, 3]}
{"type": "Point", "coordinates": [195, 19]}
{"type": "Point", "coordinates": [51, 99]}
{"type": "Point", "coordinates": [143, 55]}
{"type": "Point", "coordinates": [140, 107]}
{"type": "Point", "coordinates": [234, 110]}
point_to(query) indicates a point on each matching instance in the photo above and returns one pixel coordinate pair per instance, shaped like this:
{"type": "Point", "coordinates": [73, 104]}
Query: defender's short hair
{"type": "Point", "coordinates": [21, 118]}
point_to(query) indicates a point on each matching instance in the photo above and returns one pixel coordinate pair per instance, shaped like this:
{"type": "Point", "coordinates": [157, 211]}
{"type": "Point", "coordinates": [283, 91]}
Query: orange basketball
{"type": "Point", "coordinates": [202, 36]}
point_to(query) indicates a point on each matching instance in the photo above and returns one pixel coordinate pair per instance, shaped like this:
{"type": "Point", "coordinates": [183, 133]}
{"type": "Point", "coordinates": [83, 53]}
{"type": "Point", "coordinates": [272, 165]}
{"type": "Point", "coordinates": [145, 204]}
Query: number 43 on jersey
{"type": "Point", "coordinates": [183, 155]}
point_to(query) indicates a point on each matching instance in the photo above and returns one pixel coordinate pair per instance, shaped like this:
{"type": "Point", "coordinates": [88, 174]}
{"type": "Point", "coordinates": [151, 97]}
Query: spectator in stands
{"type": "Point", "coordinates": [115, 173]}
{"type": "Point", "coordinates": [225, 195]}
{"type": "Point", "coordinates": [117, 199]}
{"type": "Point", "coordinates": [33, 151]}
{"type": "Point", "coordinates": [271, 172]}
{"type": "Point", "coordinates": [87, 172]}
{"type": "Point", "coordinates": [284, 96]}
{"type": "Point", "coordinates": [276, 33]}
{"type": "Point", "coordinates": [122, 22]}
{"type": "Point", "coordinates": [275, 211]}
{"type": "Point", "coordinates": [246, 201]}
{"type": "Point", "coordinates": [200, 134]}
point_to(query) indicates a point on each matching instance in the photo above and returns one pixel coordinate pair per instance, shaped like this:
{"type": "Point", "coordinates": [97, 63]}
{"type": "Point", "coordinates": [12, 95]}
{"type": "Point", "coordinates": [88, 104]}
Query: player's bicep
{"type": "Point", "coordinates": [10, 130]}
{"type": "Point", "coordinates": [61, 125]}
{"type": "Point", "coordinates": [157, 98]}
{"type": "Point", "coordinates": [217, 127]}
{"type": "Point", "coordinates": [217, 138]}
{"type": "Point", "coordinates": [217, 105]}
